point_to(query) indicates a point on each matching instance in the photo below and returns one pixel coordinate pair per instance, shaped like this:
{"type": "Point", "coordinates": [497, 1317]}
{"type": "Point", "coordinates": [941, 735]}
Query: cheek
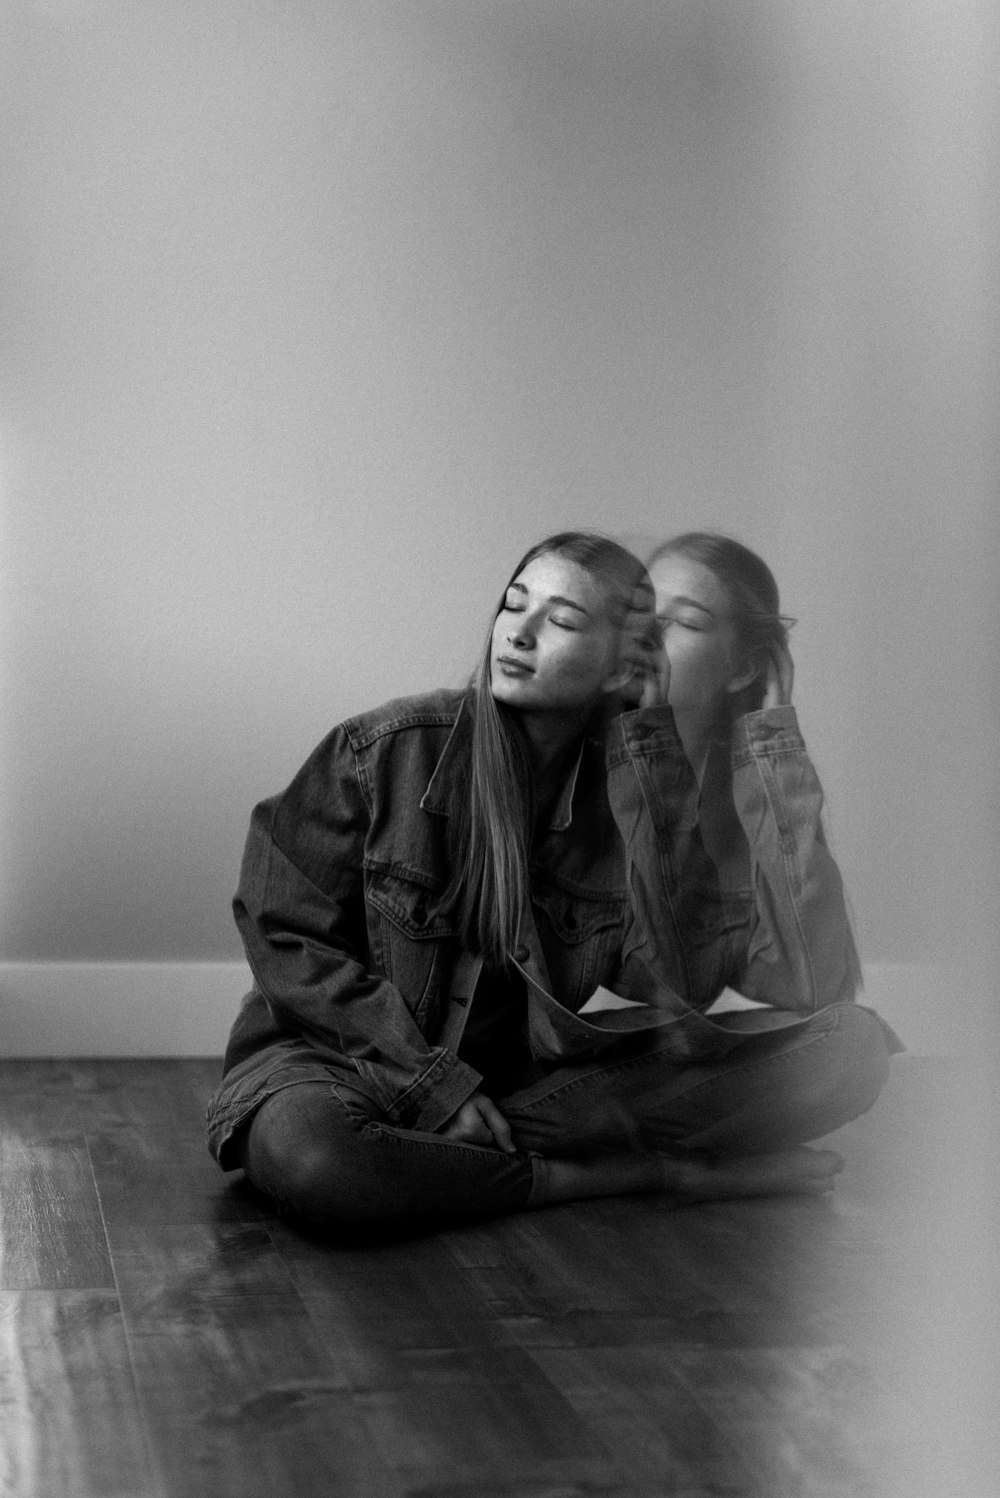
{"type": "Point", "coordinates": [571, 671]}
{"type": "Point", "coordinates": [694, 665]}
{"type": "Point", "coordinates": [586, 663]}
{"type": "Point", "coordinates": [681, 651]}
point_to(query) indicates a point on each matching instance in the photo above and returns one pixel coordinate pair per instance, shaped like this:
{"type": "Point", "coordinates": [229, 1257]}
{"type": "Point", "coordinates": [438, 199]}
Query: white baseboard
{"type": "Point", "coordinates": [186, 1008]}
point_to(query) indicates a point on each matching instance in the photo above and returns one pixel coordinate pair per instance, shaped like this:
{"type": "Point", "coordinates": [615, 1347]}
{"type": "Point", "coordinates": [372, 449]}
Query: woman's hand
{"type": "Point", "coordinates": [479, 1121]}
{"type": "Point", "coordinates": [778, 678]}
{"type": "Point", "coordinates": [642, 650]}
{"type": "Point", "coordinates": [656, 680]}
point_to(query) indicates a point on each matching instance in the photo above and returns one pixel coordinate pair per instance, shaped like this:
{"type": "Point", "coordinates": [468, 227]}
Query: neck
{"type": "Point", "coordinates": [551, 740]}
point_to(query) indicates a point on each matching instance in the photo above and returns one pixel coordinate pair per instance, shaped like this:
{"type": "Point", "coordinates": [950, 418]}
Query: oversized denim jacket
{"type": "Point", "coordinates": [359, 972]}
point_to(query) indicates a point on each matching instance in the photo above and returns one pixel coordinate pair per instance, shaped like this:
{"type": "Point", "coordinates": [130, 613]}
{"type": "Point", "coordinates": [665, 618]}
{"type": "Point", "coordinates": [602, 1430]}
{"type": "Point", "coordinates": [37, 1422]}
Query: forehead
{"type": "Point", "coordinates": [681, 577]}
{"type": "Point", "coordinates": [552, 575]}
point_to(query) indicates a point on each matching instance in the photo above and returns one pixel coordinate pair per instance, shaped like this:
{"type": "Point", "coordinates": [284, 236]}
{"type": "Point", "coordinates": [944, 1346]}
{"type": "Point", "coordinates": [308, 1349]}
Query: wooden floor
{"type": "Point", "coordinates": [164, 1334]}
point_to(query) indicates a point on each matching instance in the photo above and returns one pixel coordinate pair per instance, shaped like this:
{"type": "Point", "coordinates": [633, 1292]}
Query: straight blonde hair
{"type": "Point", "coordinates": [492, 812]}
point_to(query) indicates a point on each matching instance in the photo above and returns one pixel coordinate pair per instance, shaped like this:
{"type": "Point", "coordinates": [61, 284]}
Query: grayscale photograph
{"type": "Point", "coordinates": [499, 722]}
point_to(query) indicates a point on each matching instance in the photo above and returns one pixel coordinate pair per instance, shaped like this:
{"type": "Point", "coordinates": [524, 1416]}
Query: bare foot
{"type": "Point", "coordinates": [688, 1176]}
{"type": "Point", "coordinates": [786, 1173]}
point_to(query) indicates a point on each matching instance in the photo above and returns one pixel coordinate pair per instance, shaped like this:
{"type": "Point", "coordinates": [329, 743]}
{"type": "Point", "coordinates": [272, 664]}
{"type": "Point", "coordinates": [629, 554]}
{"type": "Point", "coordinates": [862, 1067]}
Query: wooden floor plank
{"type": "Point", "coordinates": [162, 1268]}
{"type": "Point", "coordinates": [646, 1419]}
{"type": "Point", "coordinates": [475, 1409]}
{"type": "Point", "coordinates": [239, 1392]}
{"type": "Point", "coordinates": [98, 1093]}
{"type": "Point", "coordinates": [71, 1423]}
{"type": "Point", "coordinates": [558, 1263]}
{"type": "Point", "coordinates": [51, 1229]}
{"type": "Point", "coordinates": [243, 1400]}
{"type": "Point", "coordinates": [145, 1176]}
{"type": "Point", "coordinates": [769, 1349]}
{"type": "Point", "coordinates": [160, 1096]}
{"type": "Point", "coordinates": [201, 1076]}
{"type": "Point", "coordinates": [436, 1379]}
{"type": "Point", "coordinates": [43, 1101]}
{"type": "Point", "coordinates": [810, 1414]}
{"type": "Point", "coordinates": [389, 1297]}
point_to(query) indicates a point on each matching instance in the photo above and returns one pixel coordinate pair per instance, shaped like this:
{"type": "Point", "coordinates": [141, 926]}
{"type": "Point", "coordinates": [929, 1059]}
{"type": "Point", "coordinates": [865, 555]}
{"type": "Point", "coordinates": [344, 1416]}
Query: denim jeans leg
{"type": "Point", "coordinates": [830, 1073]}
{"type": "Point", "coordinates": [326, 1154]}
{"type": "Point", "coordinates": [769, 1089]}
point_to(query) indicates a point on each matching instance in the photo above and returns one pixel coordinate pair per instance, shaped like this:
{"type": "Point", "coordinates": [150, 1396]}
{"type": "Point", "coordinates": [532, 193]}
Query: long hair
{"type": "Point", "coordinates": [492, 811]}
{"type": "Point", "coordinates": [754, 604]}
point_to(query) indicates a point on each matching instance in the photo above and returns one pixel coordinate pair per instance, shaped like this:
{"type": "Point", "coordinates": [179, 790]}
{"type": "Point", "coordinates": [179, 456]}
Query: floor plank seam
{"type": "Point", "coordinates": [160, 1488]}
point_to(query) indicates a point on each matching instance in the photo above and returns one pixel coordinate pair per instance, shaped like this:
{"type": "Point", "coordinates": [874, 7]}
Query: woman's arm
{"type": "Point", "coordinates": [300, 911]}
{"type": "Point", "coordinates": [801, 954]}
{"type": "Point", "coordinates": [653, 794]}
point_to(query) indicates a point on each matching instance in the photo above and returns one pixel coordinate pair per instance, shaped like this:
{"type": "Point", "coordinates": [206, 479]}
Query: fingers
{"type": "Point", "coordinates": [656, 681]}
{"type": "Point", "coordinates": [786, 668]}
{"type": "Point", "coordinates": [479, 1121]}
{"type": "Point", "coordinates": [780, 676]}
{"type": "Point", "coordinates": [467, 1125]}
{"type": "Point", "coordinates": [642, 651]}
{"type": "Point", "coordinates": [496, 1123]}
{"type": "Point", "coordinates": [639, 632]}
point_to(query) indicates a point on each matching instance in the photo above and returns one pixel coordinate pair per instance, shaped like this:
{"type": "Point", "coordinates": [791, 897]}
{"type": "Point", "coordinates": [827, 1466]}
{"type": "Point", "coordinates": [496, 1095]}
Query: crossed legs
{"type": "Point", "coordinates": [733, 1126]}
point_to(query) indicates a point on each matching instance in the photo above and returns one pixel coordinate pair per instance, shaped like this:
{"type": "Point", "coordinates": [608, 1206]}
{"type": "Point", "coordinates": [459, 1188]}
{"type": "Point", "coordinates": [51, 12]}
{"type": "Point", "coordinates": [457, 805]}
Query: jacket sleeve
{"type": "Point", "coordinates": [654, 800]}
{"type": "Point", "coordinates": [801, 954]}
{"type": "Point", "coordinates": [300, 911]}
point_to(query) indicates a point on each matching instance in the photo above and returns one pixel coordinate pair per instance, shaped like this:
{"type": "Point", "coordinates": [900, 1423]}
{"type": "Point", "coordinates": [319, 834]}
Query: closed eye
{"type": "Point", "coordinates": [697, 625]}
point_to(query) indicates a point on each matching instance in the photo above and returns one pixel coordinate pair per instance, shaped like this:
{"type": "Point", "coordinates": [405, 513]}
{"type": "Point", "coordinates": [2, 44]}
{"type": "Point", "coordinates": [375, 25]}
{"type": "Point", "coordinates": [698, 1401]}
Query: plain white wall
{"type": "Point", "coordinates": [316, 315]}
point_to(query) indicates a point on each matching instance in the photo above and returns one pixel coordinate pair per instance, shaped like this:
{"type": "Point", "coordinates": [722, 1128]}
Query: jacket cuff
{"type": "Point", "coordinates": [640, 730]}
{"type": "Point", "coordinates": [769, 730]}
{"type": "Point", "coordinates": [436, 1094]}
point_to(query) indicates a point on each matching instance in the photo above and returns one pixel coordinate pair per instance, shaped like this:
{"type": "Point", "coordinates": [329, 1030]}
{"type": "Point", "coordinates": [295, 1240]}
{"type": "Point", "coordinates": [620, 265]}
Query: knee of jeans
{"type": "Point", "coordinates": [862, 1057]}
{"type": "Point", "coordinates": [320, 1174]}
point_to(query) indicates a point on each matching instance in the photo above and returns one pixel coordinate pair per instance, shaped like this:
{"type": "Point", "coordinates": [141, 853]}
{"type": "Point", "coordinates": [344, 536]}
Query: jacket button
{"type": "Point", "coordinates": [522, 954]}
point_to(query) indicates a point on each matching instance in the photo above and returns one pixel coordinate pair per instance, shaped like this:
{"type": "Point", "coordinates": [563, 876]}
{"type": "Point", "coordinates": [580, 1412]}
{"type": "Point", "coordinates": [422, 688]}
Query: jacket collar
{"type": "Point", "coordinates": [437, 796]}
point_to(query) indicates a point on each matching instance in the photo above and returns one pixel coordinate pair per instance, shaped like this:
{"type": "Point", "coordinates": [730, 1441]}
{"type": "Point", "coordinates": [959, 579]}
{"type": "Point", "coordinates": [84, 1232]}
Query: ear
{"type": "Point", "coordinates": [744, 676]}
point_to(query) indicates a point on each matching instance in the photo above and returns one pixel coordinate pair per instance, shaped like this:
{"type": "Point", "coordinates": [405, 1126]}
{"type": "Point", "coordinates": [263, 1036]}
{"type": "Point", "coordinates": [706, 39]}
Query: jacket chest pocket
{"type": "Point", "coordinates": [581, 936]}
{"type": "Point", "coordinates": [411, 943]}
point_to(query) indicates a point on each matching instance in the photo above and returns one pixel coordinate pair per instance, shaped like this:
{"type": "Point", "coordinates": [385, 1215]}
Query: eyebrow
{"type": "Point", "coordinates": [692, 603]}
{"type": "Point", "coordinates": [556, 598]}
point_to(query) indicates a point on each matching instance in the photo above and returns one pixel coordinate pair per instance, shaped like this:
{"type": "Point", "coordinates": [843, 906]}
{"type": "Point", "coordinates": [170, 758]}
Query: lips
{"type": "Point", "coordinates": [513, 667]}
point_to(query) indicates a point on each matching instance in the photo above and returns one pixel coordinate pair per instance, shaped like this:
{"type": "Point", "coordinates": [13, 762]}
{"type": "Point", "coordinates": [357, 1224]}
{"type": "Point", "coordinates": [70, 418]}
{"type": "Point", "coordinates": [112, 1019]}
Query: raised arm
{"type": "Point", "coordinates": [801, 953]}
{"type": "Point", "coordinates": [654, 799]}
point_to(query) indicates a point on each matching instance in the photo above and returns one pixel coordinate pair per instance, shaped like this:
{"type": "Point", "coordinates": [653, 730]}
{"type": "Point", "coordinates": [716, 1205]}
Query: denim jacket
{"type": "Point", "coordinates": [358, 969]}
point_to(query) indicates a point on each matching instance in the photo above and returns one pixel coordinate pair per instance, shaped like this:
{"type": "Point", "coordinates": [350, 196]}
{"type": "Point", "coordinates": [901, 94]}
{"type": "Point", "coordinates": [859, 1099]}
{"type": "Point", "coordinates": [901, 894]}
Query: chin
{"type": "Point", "coordinates": [507, 691]}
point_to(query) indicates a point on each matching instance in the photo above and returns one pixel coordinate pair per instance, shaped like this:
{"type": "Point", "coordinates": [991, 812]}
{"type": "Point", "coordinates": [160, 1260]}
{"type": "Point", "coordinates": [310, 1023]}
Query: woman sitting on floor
{"type": "Point", "coordinates": [485, 925]}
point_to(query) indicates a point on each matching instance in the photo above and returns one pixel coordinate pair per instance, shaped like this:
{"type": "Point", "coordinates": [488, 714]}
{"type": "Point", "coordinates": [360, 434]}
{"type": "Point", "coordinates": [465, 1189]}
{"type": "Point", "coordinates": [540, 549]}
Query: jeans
{"type": "Point", "coordinates": [326, 1154]}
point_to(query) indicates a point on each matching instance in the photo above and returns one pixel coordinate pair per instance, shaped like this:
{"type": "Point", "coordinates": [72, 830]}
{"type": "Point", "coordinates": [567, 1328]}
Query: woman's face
{"type": "Point", "coordinates": [693, 612]}
{"type": "Point", "coordinates": [554, 646]}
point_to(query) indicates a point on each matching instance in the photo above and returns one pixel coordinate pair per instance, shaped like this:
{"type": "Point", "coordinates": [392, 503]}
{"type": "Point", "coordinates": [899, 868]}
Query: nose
{"type": "Point", "coordinates": [520, 635]}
